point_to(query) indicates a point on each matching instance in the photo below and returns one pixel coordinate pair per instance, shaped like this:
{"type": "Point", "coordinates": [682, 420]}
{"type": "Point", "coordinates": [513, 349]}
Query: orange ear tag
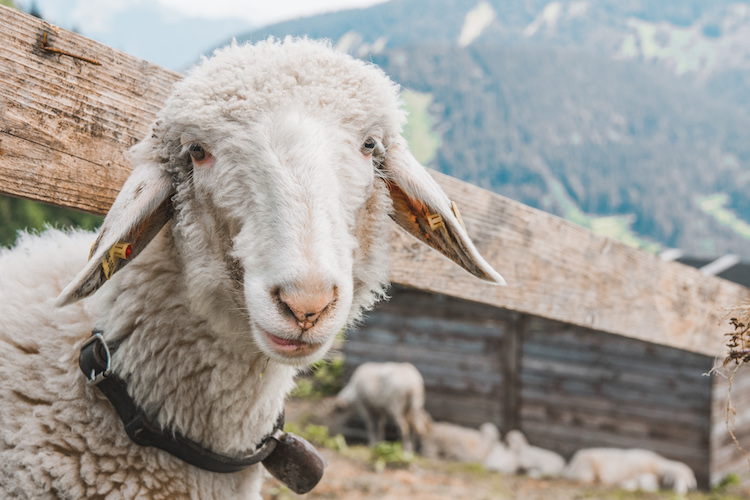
{"type": "Point", "coordinates": [112, 258]}
{"type": "Point", "coordinates": [436, 221]}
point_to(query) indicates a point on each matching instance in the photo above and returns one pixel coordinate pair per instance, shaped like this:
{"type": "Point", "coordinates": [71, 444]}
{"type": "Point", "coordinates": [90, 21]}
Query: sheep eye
{"type": "Point", "coordinates": [197, 152]}
{"type": "Point", "coordinates": [368, 147]}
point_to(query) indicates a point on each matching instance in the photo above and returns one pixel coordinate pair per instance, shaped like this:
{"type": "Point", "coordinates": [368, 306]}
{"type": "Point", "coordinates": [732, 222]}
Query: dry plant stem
{"type": "Point", "coordinates": [731, 412]}
{"type": "Point", "coordinates": [738, 343]}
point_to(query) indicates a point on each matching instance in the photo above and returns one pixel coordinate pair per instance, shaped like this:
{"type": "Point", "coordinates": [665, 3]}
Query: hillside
{"type": "Point", "coordinates": [704, 41]}
{"type": "Point", "coordinates": [559, 131]}
{"type": "Point", "coordinates": [630, 118]}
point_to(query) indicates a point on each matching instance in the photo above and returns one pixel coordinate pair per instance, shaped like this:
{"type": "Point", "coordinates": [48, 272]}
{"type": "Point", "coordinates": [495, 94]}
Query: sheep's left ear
{"type": "Point", "coordinates": [140, 210]}
{"type": "Point", "coordinates": [423, 209]}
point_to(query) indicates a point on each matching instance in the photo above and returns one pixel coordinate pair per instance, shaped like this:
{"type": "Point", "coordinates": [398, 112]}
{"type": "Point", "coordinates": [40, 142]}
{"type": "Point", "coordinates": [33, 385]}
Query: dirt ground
{"type": "Point", "coordinates": [352, 475]}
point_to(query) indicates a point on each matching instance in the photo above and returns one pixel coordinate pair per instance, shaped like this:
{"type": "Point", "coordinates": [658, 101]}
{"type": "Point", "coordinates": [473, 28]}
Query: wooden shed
{"type": "Point", "coordinates": [565, 386]}
{"type": "Point", "coordinates": [592, 342]}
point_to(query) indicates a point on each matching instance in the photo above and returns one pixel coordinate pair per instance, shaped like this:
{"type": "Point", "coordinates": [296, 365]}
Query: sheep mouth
{"type": "Point", "coordinates": [292, 348]}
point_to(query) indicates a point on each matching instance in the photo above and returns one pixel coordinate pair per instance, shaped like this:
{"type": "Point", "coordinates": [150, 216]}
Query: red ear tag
{"type": "Point", "coordinates": [122, 250]}
{"type": "Point", "coordinates": [119, 251]}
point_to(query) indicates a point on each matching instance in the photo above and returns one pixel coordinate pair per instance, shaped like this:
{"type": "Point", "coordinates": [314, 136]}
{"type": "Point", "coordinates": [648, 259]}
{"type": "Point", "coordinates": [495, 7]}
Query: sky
{"type": "Point", "coordinates": [174, 33]}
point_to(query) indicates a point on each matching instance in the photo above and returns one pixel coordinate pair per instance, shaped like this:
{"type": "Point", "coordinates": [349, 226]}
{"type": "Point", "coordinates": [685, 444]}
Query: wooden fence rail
{"type": "Point", "coordinates": [70, 108]}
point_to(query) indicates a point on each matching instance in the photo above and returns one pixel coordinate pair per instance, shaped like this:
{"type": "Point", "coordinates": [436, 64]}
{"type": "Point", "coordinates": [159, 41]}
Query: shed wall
{"type": "Point", "coordinates": [581, 388]}
{"type": "Point", "coordinates": [566, 387]}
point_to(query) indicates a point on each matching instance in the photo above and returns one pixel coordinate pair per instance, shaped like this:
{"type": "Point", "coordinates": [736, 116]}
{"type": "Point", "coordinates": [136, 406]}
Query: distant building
{"type": "Point", "coordinates": [565, 386]}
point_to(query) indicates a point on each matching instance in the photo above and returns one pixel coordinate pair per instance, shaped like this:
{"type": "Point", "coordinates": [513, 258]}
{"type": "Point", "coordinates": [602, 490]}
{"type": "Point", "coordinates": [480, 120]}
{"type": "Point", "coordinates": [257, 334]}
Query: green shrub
{"type": "Point", "coordinates": [17, 214]}
{"type": "Point", "coordinates": [390, 454]}
{"type": "Point", "coordinates": [318, 435]}
{"type": "Point", "coordinates": [726, 481]}
{"type": "Point", "coordinates": [325, 378]}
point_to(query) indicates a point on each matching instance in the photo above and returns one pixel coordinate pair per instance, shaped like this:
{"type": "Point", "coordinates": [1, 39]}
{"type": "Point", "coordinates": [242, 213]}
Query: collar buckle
{"type": "Point", "coordinates": [95, 359]}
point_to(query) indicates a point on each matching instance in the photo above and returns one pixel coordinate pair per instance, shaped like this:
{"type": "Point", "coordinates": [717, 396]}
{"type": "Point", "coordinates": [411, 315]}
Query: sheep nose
{"type": "Point", "coordinates": [306, 308]}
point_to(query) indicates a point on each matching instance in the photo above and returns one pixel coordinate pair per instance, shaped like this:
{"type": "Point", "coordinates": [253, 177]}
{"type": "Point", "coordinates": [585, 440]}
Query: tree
{"type": "Point", "coordinates": [17, 214]}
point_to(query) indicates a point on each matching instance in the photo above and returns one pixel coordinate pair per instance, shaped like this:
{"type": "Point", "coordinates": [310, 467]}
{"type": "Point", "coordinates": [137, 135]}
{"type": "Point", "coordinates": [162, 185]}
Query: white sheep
{"type": "Point", "coordinates": [631, 468]}
{"type": "Point", "coordinates": [382, 390]}
{"type": "Point", "coordinates": [641, 482]}
{"type": "Point", "coordinates": [533, 460]}
{"type": "Point", "coordinates": [448, 441]}
{"type": "Point", "coordinates": [500, 459]}
{"type": "Point", "coordinates": [255, 226]}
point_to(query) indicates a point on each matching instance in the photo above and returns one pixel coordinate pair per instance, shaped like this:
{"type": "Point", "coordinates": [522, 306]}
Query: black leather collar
{"type": "Point", "coordinates": [290, 452]}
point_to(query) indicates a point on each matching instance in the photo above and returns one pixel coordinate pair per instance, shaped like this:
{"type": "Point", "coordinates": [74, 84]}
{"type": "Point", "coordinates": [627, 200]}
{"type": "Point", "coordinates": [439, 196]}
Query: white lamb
{"type": "Point", "coordinates": [448, 441]}
{"type": "Point", "coordinates": [255, 225]}
{"type": "Point", "coordinates": [533, 460]}
{"type": "Point", "coordinates": [500, 459]}
{"type": "Point", "coordinates": [382, 390]}
{"type": "Point", "coordinates": [632, 468]}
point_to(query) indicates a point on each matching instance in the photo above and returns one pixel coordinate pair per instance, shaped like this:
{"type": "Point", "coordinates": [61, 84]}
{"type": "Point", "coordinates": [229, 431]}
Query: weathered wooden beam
{"type": "Point", "coordinates": [66, 123]}
{"type": "Point", "coordinates": [561, 271]}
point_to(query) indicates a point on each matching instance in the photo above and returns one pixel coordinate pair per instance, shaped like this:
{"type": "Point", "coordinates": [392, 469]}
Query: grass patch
{"type": "Point", "coordinates": [714, 204]}
{"type": "Point", "coordinates": [616, 227]}
{"type": "Point", "coordinates": [390, 454]}
{"type": "Point", "coordinates": [324, 378]}
{"type": "Point", "coordinates": [318, 435]}
{"type": "Point", "coordinates": [726, 482]}
{"type": "Point", "coordinates": [418, 131]}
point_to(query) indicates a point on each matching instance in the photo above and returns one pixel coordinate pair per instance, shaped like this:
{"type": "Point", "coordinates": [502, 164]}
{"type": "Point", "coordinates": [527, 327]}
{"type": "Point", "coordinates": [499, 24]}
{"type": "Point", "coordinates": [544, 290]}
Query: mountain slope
{"type": "Point", "coordinates": [621, 116]}
{"type": "Point", "coordinates": [523, 121]}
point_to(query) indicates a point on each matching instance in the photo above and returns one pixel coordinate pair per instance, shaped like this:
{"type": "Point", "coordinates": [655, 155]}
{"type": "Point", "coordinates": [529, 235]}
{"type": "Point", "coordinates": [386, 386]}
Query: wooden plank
{"type": "Point", "coordinates": [413, 302]}
{"type": "Point", "coordinates": [469, 410]}
{"type": "Point", "coordinates": [533, 390]}
{"type": "Point", "coordinates": [601, 377]}
{"type": "Point", "coordinates": [438, 369]}
{"type": "Point", "coordinates": [566, 408]}
{"type": "Point", "coordinates": [583, 354]}
{"type": "Point", "coordinates": [552, 336]}
{"type": "Point", "coordinates": [406, 325]}
{"type": "Point", "coordinates": [65, 125]}
{"type": "Point", "coordinates": [560, 271]}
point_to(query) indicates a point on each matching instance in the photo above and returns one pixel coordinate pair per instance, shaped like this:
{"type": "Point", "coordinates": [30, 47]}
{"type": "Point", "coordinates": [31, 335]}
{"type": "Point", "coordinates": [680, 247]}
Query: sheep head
{"type": "Point", "coordinates": [277, 166]}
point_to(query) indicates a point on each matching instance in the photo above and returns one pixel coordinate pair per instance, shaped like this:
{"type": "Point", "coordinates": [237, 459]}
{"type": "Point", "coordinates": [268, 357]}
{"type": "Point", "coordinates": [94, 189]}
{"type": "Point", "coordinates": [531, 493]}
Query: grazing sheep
{"type": "Point", "coordinates": [632, 468]}
{"type": "Point", "coordinates": [254, 227]}
{"type": "Point", "coordinates": [532, 460]}
{"type": "Point", "coordinates": [447, 441]}
{"type": "Point", "coordinates": [381, 390]}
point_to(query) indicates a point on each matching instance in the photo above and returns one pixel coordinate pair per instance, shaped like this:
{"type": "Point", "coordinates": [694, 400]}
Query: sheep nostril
{"type": "Point", "coordinates": [306, 308]}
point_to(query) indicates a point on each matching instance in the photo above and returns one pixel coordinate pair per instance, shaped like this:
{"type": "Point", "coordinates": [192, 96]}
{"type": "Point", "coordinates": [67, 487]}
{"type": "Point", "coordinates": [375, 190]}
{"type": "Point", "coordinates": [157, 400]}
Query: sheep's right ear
{"type": "Point", "coordinates": [140, 210]}
{"type": "Point", "coordinates": [422, 209]}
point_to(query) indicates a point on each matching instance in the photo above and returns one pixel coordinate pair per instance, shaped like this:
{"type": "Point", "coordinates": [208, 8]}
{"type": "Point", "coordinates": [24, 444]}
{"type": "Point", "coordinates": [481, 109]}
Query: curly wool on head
{"type": "Point", "coordinates": [257, 217]}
